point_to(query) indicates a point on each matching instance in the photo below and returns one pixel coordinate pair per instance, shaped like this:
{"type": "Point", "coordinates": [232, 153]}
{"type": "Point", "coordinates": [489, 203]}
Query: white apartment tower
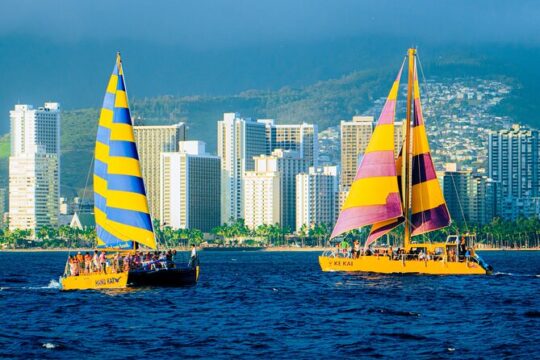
{"type": "Point", "coordinates": [302, 138]}
{"type": "Point", "coordinates": [286, 165]}
{"type": "Point", "coordinates": [151, 142]}
{"type": "Point", "coordinates": [316, 197]}
{"type": "Point", "coordinates": [239, 140]}
{"type": "Point", "coordinates": [34, 166]}
{"type": "Point", "coordinates": [262, 197]}
{"type": "Point", "coordinates": [190, 188]}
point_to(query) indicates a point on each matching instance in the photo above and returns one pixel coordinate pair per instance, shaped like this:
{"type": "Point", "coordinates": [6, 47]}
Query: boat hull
{"type": "Point", "coordinates": [175, 277]}
{"type": "Point", "coordinates": [384, 265]}
{"type": "Point", "coordinates": [96, 281]}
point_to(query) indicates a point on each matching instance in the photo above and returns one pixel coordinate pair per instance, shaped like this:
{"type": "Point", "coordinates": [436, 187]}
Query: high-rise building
{"type": "Point", "coordinates": [34, 166]}
{"type": "Point", "coordinates": [35, 130]}
{"type": "Point", "coordinates": [262, 197]}
{"type": "Point", "coordinates": [470, 197]}
{"type": "Point", "coordinates": [33, 191]}
{"type": "Point", "coordinates": [302, 138]}
{"type": "Point", "coordinates": [513, 164]}
{"type": "Point", "coordinates": [316, 197]}
{"type": "Point", "coordinates": [355, 137]}
{"type": "Point", "coordinates": [151, 142]}
{"type": "Point", "coordinates": [239, 140]}
{"type": "Point", "coordinates": [287, 164]}
{"type": "Point", "coordinates": [456, 184]}
{"type": "Point", "coordinates": [190, 188]}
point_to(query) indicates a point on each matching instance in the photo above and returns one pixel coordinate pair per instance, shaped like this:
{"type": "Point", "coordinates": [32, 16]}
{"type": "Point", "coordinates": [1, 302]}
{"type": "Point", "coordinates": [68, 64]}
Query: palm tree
{"type": "Point", "coordinates": [196, 236]}
{"type": "Point", "coordinates": [303, 232]}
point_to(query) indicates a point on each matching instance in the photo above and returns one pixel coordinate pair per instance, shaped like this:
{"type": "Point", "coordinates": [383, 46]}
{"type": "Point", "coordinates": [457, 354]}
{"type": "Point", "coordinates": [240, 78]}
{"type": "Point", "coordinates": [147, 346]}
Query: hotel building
{"type": "Point", "coordinates": [190, 188]}
{"type": "Point", "coordinates": [34, 166]}
{"type": "Point", "coordinates": [151, 142]}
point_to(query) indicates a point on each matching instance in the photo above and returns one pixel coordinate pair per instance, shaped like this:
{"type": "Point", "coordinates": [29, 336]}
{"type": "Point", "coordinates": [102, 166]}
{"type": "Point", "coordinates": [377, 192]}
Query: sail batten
{"type": "Point", "coordinates": [121, 207]}
{"type": "Point", "coordinates": [374, 194]}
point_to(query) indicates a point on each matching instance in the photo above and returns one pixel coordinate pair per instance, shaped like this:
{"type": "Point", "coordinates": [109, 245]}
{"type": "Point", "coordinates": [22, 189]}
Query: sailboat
{"type": "Point", "coordinates": [123, 222]}
{"type": "Point", "coordinates": [389, 191]}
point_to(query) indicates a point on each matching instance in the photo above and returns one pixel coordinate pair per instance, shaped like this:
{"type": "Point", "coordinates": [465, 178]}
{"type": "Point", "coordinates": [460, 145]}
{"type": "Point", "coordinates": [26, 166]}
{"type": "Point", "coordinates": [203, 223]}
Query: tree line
{"type": "Point", "coordinates": [499, 233]}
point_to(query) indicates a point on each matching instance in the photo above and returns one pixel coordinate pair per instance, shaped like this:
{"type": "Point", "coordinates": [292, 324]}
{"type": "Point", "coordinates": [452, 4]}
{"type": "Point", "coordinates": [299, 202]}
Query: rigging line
{"type": "Point", "coordinates": [460, 206]}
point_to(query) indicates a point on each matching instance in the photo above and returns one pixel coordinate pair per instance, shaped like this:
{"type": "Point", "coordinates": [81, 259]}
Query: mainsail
{"type": "Point", "coordinates": [121, 207]}
{"type": "Point", "coordinates": [429, 211]}
{"type": "Point", "coordinates": [374, 195]}
{"type": "Point", "coordinates": [384, 227]}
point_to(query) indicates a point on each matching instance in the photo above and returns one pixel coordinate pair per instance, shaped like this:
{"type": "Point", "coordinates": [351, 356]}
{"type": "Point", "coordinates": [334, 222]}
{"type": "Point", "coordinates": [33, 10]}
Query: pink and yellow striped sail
{"type": "Point", "coordinates": [374, 194]}
{"type": "Point", "coordinates": [384, 227]}
{"type": "Point", "coordinates": [121, 207]}
{"type": "Point", "coordinates": [428, 207]}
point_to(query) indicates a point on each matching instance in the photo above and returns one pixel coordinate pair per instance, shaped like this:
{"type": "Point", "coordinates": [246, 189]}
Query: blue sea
{"type": "Point", "coordinates": [275, 305]}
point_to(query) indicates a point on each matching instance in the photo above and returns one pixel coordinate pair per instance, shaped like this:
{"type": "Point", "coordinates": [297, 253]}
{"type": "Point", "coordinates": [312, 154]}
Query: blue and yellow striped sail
{"type": "Point", "coordinates": [121, 207]}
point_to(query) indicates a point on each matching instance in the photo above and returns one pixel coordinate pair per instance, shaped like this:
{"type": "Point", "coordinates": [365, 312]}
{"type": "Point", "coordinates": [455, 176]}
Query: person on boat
{"type": "Point", "coordinates": [462, 249]}
{"type": "Point", "coordinates": [162, 260]}
{"type": "Point", "coordinates": [102, 262]}
{"type": "Point", "coordinates": [116, 263]}
{"type": "Point", "coordinates": [87, 263]}
{"type": "Point", "coordinates": [73, 265]}
{"type": "Point", "coordinates": [80, 262]}
{"type": "Point", "coordinates": [356, 249]}
{"type": "Point", "coordinates": [193, 260]}
{"type": "Point", "coordinates": [390, 253]}
{"type": "Point", "coordinates": [95, 261]}
{"type": "Point", "coordinates": [127, 262]}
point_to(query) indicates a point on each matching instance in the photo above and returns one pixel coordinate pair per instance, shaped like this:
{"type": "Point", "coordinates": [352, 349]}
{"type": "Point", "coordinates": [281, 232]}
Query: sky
{"type": "Point", "coordinates": [63, 49]}
{"type": "Point", "coordinates": [222, 23]}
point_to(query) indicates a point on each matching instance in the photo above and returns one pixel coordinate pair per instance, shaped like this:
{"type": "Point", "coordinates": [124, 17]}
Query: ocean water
{"type": "Point", "coordinates": [274, 305]}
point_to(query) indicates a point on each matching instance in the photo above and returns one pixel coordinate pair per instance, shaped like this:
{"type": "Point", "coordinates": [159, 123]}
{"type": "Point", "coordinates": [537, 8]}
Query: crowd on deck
{"type": "Point", "coordinates": [99, 262]}
{"type": "Point", "coordinates": [354, 251]}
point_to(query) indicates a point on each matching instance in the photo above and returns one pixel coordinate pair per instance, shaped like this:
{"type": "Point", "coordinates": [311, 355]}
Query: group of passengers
{"type": "Point", "coordinates": [419, 253]}
{"type": "Point", "coordinates": [99, 263]}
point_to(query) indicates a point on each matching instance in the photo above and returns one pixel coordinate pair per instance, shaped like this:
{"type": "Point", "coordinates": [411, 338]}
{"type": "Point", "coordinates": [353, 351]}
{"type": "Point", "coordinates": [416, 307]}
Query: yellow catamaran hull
{"type": "Point", "coordinates": [383, 265]}
{"type": "Point", "coordinates": [94, 281]}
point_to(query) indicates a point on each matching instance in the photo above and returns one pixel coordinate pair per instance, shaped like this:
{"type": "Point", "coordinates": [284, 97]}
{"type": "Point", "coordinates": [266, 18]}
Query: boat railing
{"type": "Point", "coordinates": [337, 254]}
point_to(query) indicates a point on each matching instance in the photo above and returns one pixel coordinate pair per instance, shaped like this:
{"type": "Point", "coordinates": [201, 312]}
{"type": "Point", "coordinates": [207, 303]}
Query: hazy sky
{"type": "Point", "coordinates": [205, 23]}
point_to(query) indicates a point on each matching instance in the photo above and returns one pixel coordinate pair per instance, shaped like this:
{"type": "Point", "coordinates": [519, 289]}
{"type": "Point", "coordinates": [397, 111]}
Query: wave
{"type": "Point", "coordinates": [499, 273]}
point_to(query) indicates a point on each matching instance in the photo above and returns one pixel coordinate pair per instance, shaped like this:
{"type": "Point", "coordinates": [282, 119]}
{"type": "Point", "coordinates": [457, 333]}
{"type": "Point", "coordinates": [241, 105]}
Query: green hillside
{"type": "Point", "coordinates": [4, 155]}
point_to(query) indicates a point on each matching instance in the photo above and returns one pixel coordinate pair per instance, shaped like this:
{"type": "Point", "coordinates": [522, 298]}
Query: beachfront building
{"type": "Point", "coordinates": [239, 141]}
{"type": "Point", "coordinates": [190, 188]}
{"type": "Point", "coordinates": [302, 138]}
{"type": "Point", "coordinates": [262, 197]}
{"type": "Point", "coordinates": [316, 197]}
{"type": "Point", "coordinates": [151, 142]}
{"type": "Point", "coordinates": [286, 164]}
{"type": "Point", "coordinates": [513, 164]}
{"type": "Point", "coordinates": [34, 166]}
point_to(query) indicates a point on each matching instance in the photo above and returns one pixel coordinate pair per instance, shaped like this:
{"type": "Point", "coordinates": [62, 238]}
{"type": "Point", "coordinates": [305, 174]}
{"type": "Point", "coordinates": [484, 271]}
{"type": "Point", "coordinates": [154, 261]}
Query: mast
{"type": "Point", "coordinates": [407, 149]}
